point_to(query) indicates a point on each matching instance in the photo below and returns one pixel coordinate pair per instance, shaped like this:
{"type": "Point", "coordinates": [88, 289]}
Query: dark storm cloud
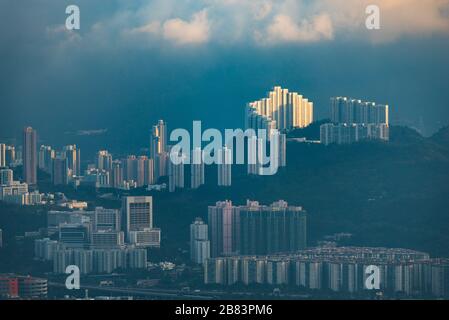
{"type": "Point", "coordinates": [133, 62]}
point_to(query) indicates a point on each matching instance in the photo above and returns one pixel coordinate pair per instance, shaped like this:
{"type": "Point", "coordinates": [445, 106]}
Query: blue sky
{"type": "Point", "coordinates": [133, 62]}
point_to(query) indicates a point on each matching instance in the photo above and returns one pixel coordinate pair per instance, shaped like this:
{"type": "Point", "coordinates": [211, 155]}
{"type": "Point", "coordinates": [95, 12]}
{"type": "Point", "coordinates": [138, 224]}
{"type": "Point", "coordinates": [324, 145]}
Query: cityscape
{"type": "Point", "coordinates": [257, 188]}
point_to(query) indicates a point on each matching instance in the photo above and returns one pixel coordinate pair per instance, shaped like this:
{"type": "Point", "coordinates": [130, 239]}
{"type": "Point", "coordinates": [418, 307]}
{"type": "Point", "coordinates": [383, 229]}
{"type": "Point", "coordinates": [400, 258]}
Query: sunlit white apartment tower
{"type": "Point", "coordinates": [176, 174]}
{"type": "Point", "coordinates": [73, 155]}
{"type": "Point", "coordinates": [287, 109]}
{"type": "Point", "coordinates": [199, 241]}
{"type": "Point", "coordinates": [29, 156]}
{"type": "Point", "coordinates": [197, 168]}
{"type": "Point", "coordinates": [2, 155]}
{"type": "Point", "coordinates": [224, 156]}
{"type": "Point", "coordinates": [46, 156]}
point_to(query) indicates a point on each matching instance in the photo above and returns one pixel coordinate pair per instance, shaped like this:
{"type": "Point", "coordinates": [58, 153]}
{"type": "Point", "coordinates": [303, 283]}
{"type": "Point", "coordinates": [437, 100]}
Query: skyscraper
{"type": "Point", "coordinates": [353, 111]}
{"type": "Point", "coordinates": [104, 160]}
{"type": "Point", "coordinates": [223, 228]}
{"type": "Point", "coordinates": [199, 241]}
{"type": "Point", "coordinates": [224, 167]}
{"type": "Point", "coordinates": [137, 214]}
{"type": "Point", "coordinates": [158, 142]}
{"type": "Point", "coordinates": [73, 155]}
{"type": "Point", "coordinates": [271, 229]}
{"type": "Point", "coordinates": [255, 229]}
{"type": "Point", "coordinates": [197, 169]}
{"type": "Point", "coordinates": [29, 156]}
{"type": "Point", "coordinates": [2, 155]}
{"type": "Point", "coordinates": [10, 155]}
{"type": "Point", "coordinates": [116, 174]}
{"type": "Point", "coordinates": [158, 149]}
{"type": "Point", "coordinates": [130, 168]}
{"type": "Point", "coordinates": [46, 156]}
{"type": "Point", "coordinates": [176, 174]}
{"type": "Point", "coordinates": [6, 177]}
{"type": "Point", "coordinates": [59, 173]}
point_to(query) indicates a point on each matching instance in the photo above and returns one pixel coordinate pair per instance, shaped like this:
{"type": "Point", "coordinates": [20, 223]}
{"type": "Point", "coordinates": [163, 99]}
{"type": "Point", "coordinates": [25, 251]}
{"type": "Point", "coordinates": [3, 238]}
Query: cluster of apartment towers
{"type": "Point", "coordinates": [351, 120]}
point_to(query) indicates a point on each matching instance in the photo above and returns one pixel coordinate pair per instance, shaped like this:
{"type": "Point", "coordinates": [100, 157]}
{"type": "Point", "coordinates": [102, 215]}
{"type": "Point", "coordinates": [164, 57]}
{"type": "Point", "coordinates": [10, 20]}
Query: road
{"type": "Point", "coordinates": [129, 291]}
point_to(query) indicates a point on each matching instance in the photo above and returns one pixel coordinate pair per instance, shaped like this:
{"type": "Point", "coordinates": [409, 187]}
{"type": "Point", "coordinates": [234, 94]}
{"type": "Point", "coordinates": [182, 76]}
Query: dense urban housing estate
{"type": "Point", "coordinates": [354, 120]}
{"type": "Point", "coordinates": [338, 269]}
{"type": "Point", "coordinates": [255, 228]}
{"type": "Point", "coordinates": [282, 110]}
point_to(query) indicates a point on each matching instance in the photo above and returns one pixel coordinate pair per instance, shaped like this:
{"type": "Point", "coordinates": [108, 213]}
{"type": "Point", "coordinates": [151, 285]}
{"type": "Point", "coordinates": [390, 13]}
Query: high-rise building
{"type": "Point", "coordinates": [161, 164]}
{"type": "Point", "coordinates": [29, 156]}
{"type": "Point", "coordinates": [223, 228]}
{"type": "Point", "coordinates": [106, 219]}
{"type": "Point", "coordinates": [46, 156]}
{"type": "Point", "coordinates": [256, 229]}
{"type": "Point", "coordinates": [354, 111]}
{"type": "Point", "coordinates": [117, 174]}
{"type": "Point", "coordinates": [199, 241]}
{"type": "Point", "coordinates": [271, 229]}
{"type": "Point", "coordinates": [197, 169]}
{"type": "Point", "coordinates": [282, 150]}
{"type": "Point", "coordinates": [176, 174]}
{"type": "Point", "coordinates": [107, 239]}
{"type": "Point", "coordinates": [158, 142]}
{"type": "Point", "coordinates": [104, 160]}
{"type": "Point", "coordinates": [224, 167]}
{"type": "Point", "coordinates": [354, 120]}
{"type": "Point", "coordinates": [74, 235]}
{"type": "Point", "coordinates": [281, 110]}
{"type": "Point", "coordinates": [15, 192]}
{"type": "Point", "coordinates": [140, 170]}
{"type": "Point", "coordinates": [159, 149]}
{"type": "Point", "coordinates": [73, 155]}
{"type": "Point", "coordinates": [10, 156]}
{"type": "Point", "coordinates": [6, 177]}
{"type": "Point", "coordinates": [149, 172]}
{"type": "Point", "coordinates": [146, 238]}
{"type": "Point", "coordinates": [349, 133]}
{"type": "Point", "coordinates": [130, 168]}
{"type": "Point", "coordinates": [137, 214]}
{"type": "Point", "coordinates": [2, 155]}
{"type": "Point", "coordinates": [60, 171]}
{"type": "Point", "coordinates": [44, 249]}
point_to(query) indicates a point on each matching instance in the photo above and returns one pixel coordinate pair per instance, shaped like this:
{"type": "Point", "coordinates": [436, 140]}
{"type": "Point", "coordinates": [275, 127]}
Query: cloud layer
{"type": "Point", "coordinates": [271, 22]}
